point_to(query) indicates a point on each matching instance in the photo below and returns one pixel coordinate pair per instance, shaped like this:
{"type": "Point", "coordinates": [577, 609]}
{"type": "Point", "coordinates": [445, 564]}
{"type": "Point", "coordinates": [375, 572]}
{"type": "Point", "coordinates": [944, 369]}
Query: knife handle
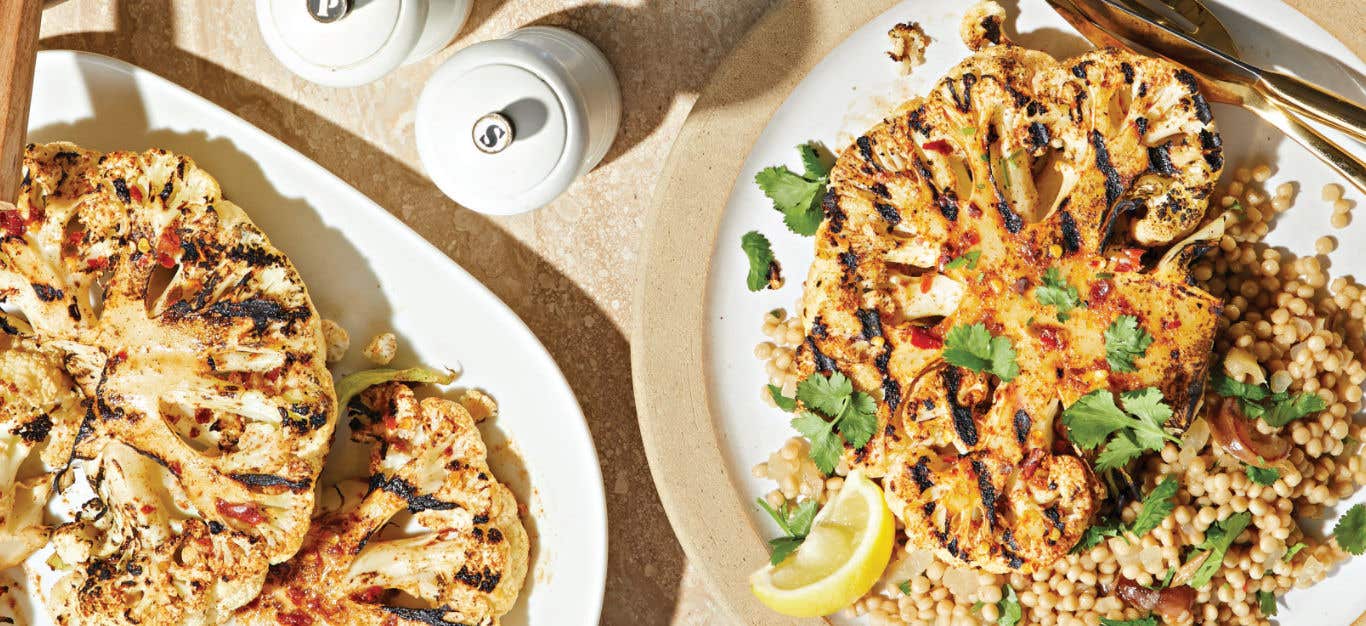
{"type": "Point", "coordinates": [1324, 148]}
{"type": "Point", "coordinates": [1316, 102]}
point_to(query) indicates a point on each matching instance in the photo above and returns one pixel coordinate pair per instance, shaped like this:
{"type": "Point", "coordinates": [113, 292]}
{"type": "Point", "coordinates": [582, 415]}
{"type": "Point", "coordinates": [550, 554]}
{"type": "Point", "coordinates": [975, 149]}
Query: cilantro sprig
{"type": "Point", "coordinates": [1157, 505]}
{"type": "Point", "coordinates": [1266, 601]}
{"type": "Point", "coordinates": [1218, 538]}
{"type": "Point", "coordinates": [794, 521]}
{"type": "Point", "coordinates": [1059, 293]}
{"type": "Point", "coordinates": [1350, 531]}
{"type": "Point", "coordinates": [975, 348]}
{"type": "Point", "coordinates": [831, 414]}
{"type": "Point", "coordinates": [1276, 409]}
{"type": "Point", "coordinates": [1095, 419]}
{"type": "Point", "coordinates": [798, 196]}
{"type": "Point", "coordinates": [1009, 606]}
{"type": "Point", "coordinates": [764, 270]}
{"type": "Point", "coordinates": [1264, 476]}
{"type": "Point", "coordinates": [1125, 341]}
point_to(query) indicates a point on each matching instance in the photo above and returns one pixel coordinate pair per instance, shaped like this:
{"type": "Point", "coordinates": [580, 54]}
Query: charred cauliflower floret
{"type": "Point", "coordinates": [461, 558]}
{"type": "Point", "coordinates": [202, 360]}
{"type": "Point", "coordinates": [40, 410]}
{"type": "Point", "coordinates": [1016, 176]}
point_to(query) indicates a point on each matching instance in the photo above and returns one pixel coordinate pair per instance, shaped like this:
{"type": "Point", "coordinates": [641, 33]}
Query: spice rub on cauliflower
{"type": "Point", "coordinates": [40, 410]}
{"type": "Point", "coordinates": [201, 359]}
{"type": "Point", "coordinates": [1032, 207]}
{"type": "Point", "coordinates": [460, 559]}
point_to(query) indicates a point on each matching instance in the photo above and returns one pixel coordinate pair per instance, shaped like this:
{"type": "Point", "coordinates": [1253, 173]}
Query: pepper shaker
{"type": "Point", "coordinates": [506, 126]}
{"type": "Point", "coordinates": [344, 43]}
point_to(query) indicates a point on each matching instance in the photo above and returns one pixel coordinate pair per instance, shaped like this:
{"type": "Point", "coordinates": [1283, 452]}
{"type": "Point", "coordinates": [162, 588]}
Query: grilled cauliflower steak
{"type": "Point", "coordinates": [464, 565]}
{"type": "Point", "coordinates": [202, 359]}
{"type": "Point", "coordinates": [40, 410]}
{"type": "Point", "coordinates": [1091, 168]}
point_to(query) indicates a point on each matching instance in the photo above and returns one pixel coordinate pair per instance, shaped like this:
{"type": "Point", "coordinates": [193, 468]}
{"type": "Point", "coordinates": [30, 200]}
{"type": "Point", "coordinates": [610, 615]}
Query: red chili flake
{"type": "Point", "coordinates": [1172, 324]}
{"type": "Point", "coordinates": [971, 238]}
{"type": "Point", "coordinates": [244, 512]}
{"type": "Point", "coordinates": [74, 237]}
{"type": "Point", "coordinates": [36, 214]}
{"type": "Point", "coordinates": [147, 509]}
{"type": "Point", "coordinates": [203, 416]}
{"type": "Point", "coordinates": [12, 223]}
{"type": "Point", "coordinates": [274, 374]}
{"type": "Point", "coordinates": [390, 423]}
{"type": "Point", "coordinates": [926, 282]}
{"type": "Point", "coordinates": [1049, 337]}
{"type": "Point", "coordinates": [97, 264]}
{"type": "Point", "coordinates": [194, 432]}
{"type": "Point", "coordinates": [296, 618]}
{"type": "Point", "coordinates": [166, 261]}
{"type": "Point", "coordinates": [974, 211]}
{"type": "Point", "coordinates": [368, 595]}
{"type": "Point", "coordinates": [922, 339]}
{"type": "Point", "coordinates": [939, 145]}
{"type": "Point", "coordinates": [136, 193]}
{"type": "Point", "coordinates": [1100, 290]}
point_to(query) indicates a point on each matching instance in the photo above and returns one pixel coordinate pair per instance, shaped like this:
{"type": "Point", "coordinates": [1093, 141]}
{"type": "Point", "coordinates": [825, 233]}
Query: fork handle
{"type": "Point", "coordinates": [1316, 102]}
{"type": "Point", "coordinates": [18, 50]}
{"type": "Point", "coordinates": [1324, 148]}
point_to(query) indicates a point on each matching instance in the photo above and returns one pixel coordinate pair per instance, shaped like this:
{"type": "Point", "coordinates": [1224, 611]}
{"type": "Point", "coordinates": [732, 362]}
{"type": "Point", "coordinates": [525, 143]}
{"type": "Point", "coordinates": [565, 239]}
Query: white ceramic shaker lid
{"type": "Point", "coordinates": [343, 43]}
{"type": "Point", "coordinates": [505, 126]}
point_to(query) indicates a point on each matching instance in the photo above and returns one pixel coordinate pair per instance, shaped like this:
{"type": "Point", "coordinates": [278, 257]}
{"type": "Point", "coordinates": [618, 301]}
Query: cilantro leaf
{"type": "Point", "coordinates": [858, 422]}
{"type": "Point", "coordinates": [1157, 505]}
{"type": "Point", "coordinates": [1116, 454]}
{"type": "Point", "coordinates": [1142, 621]}
{"type": "Point", "coordinates": [797, 197]}
{"type": "Point", "coordinates": [781, 548]}
{"type": "Point", "coordinates": [1218, 538]}
{"type": "Point", "coordinates": [1290, 408]}
{"type": "Point", "coordinates": [905, 587]}
{"type": "Point", "coordinates": [825, 394]}
{"type": "Point", "coordinates": [1009, 606]}
{"type": "Point", "coordinates": [1295, 549]}
{"type": "Point", "coordinates": [968, 260]}
{"type": "Point", "coordinates": [785, 403]}
{"type": "Point", "coordinates": [1267, 602]}
{"type": "Point", "coordinates": [1146, 404]}
{"type": "Point", "coordinates": [1230, 388]}
{"type": "Point", "coordinates": [1265, 476]}
{"type": "Point", "coordinates": [1057, 292]}
{"type": "Point", "coordinates": [825, 444]}
{"type": "Point", "coordinates": [1092, 418]}
{"type": "Point", "coordinates": [973, 347]}
{"type": "Point", "coordinates": [814, 165]}
{"type": "Point", "coordinates": [1124, 342]}
{"type": "Point", "coordinates": [795, 523]}
{"type": "Point", "coordinates": [1350, 530]}
{"type": "Point", "coordinates": [1095, 533]}
{"type": "Point", "coordinates": [764, 271]}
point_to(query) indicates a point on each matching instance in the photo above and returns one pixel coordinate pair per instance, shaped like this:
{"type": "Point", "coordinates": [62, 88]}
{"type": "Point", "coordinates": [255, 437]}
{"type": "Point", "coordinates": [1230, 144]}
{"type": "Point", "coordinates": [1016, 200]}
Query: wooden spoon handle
{"type": "Point", "coordinates": [18, 53]}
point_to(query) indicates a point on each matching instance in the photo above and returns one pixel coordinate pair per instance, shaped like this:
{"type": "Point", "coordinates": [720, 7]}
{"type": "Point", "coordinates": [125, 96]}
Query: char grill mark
{"type": "Point", "coordinates": [823, 363]}
{"type": "Point", "coordinates": [830, 205]}
{"type": "Point", "coordinates": [1013, 221]}
{"type": "Point", "coordinates": [916, 120]}
{"type": "Point", "coordinates": [1022, 425]}
{"type": "Point", "coordinates": [987, 490]}
{"type": "Point", "coordinates": [431, 617]}
{"type": "Point", "coordinates": [891, 394]}
{"type": "Point", "coordinates": [1055, 518]}
{"type": "Point", "coordinates": [36, 429]}
{"type": "Point", "coordinates": [1038, 136]}
{"type": "Point", "coordinates": [1160, 160]}
{"type": "Point", "coordinates": [962, 101]}
{"type": "Point", "coordinates": [1141, 123]}
{"type": "Point", "coordinates": [872, 324]}
{"type": "Point", "coordinates": [889, 213]}
{"type": "Point", "coordinates": [1201, 105]}
{"type": "Point", "coordinates": [261, 312]}
{"type": "Point", "coordinates": [1113, 186]}
{"type": "Point", "coordinates": [865, 150]}
{"type": "Point", "coordinates": [1071, 236]}
{"type": "Point", "coordinates": [485, 581]}
{"type": "Point", "coordinates": [408, 492]}
{"type": "Point", "coordinates": [963, 423]}
{"type": "Point", "coordinates": [1213, 147]}
{"type": "Point", "coordinates": [1128, 71]}
{"type": "Point", "coordinates": [121, 189]}
{"type": "Point", "coordinates": [991, 29]}
{"type": "Point", "coordinates": [920, 473]}
{"type": "Point", "coordinates": [271, 480]}
{"type": "Point", "coordinates": [818, 328]}
{"type": "Point", "coordinates": [47, 293]}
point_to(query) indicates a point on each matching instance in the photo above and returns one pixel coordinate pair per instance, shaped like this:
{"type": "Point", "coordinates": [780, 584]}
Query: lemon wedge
{"type": "Point", "coordinates": [842, 558]}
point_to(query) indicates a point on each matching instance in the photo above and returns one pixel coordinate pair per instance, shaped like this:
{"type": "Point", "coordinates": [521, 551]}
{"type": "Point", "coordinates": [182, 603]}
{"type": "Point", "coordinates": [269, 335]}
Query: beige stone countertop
{"type": "Point", "coordinates": [568, 270]}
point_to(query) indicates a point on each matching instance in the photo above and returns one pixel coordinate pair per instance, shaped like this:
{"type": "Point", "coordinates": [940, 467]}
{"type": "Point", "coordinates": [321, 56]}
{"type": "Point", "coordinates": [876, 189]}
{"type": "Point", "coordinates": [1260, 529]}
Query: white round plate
{"type": "Point", "coordinates": [371, 274]}
{"type": "Point", "coordinates": [856, 77]}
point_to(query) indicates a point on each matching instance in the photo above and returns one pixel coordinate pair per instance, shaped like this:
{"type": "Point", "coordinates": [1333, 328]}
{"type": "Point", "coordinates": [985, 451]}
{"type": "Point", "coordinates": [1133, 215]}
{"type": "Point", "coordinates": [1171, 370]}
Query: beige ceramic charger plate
{"type": "Point", "coordinates": [668, 338]}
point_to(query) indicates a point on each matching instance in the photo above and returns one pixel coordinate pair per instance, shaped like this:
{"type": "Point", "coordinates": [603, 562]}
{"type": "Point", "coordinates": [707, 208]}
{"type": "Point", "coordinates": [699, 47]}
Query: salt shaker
{"type": "Point", "coordinates": [344, 43]}
{"type": "Point", "coordinates": [506, 126]}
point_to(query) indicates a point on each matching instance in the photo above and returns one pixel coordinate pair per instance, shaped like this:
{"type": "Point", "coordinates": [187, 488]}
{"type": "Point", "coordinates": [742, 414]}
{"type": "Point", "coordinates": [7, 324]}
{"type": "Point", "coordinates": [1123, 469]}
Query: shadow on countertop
{"type": "Point", "coordinates": [648, 46]}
